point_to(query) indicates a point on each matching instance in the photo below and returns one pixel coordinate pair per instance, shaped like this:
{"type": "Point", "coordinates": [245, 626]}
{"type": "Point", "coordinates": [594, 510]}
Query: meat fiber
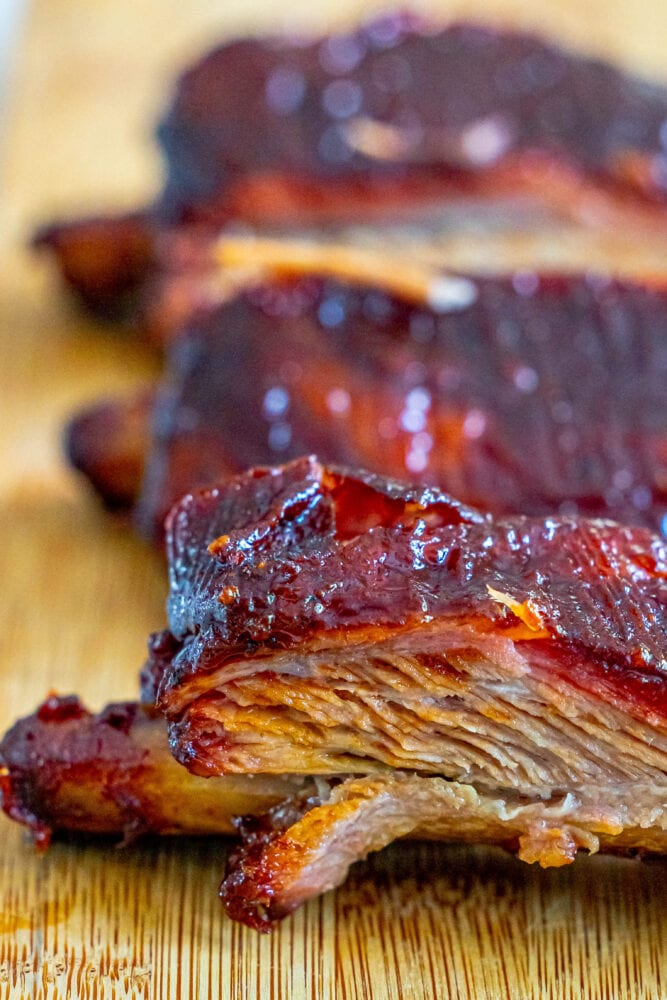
{"type": "Point", "coordinates": [392, 120]}
{"type": "Point", "coordinates": [529, 393]}
{"type": "Point", "coordinates": [456, 676]}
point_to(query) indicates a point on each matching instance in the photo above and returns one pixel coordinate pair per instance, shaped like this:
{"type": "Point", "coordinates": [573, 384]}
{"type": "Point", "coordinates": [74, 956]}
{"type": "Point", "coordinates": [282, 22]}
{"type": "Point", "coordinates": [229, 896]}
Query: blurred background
{"type": "Point", "coordinates": [91, 76]}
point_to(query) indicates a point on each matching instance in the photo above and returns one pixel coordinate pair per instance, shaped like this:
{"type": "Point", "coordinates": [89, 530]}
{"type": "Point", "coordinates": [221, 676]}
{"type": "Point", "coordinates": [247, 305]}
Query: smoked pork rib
{"type": "Point", "coordinates": [443, 667]}
{"type": "Point", "coordinates": [64, 768]}
{"type": "Point", "coordinates": [528, 394]}
{"type": "Point", "coordinates": [352, 660]}
{"type": "Point", "coordinates": [388, 121]}
{"type": "Point", "coordinates": [266, 130]}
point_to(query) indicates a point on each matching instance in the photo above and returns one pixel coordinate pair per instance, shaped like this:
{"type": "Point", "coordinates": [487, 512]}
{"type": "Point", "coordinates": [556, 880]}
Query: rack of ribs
{"type": "Point", "coordinates": [422, 668]}
{"type": "Point", "coordinates": [520, 394]}
{"type": "Point", "coordinates": [393, 120]}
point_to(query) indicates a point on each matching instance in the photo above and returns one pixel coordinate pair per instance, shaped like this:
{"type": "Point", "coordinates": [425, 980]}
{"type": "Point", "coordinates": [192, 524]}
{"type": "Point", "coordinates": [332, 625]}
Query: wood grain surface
{"type": "Point", "coordinates": [80, 594]}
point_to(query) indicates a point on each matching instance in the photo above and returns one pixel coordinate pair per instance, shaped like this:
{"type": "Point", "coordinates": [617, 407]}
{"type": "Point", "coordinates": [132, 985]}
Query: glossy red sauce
{"type": "Point", "coordinates": [443, 105]}
{"type": "Point", "coordinates": [537, 394]}
{"type": "Point", "coordinates": [597, 591]}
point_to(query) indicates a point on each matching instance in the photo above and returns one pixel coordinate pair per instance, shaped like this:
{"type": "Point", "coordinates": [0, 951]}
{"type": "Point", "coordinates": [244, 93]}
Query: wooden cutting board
{"type": "Point", "coordinates": [80, 594]}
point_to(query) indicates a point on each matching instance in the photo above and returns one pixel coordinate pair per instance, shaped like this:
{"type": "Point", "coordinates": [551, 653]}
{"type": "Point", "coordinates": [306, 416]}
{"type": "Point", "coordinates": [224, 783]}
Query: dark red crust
{"type": "Point", "coordinates": [162, 648]}
{"type": "Point", "coordinates": [302, 555]}
{"type": "Point", "coordinates": [64, 744]}
{"type": "Point", "coordinates": [248, 892]}
{"type": "Point", "coordinates": [525, 400]}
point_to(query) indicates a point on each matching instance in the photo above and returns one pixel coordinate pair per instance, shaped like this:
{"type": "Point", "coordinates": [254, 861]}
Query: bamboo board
{"type": "Point", "coordinates": [79, 594]}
